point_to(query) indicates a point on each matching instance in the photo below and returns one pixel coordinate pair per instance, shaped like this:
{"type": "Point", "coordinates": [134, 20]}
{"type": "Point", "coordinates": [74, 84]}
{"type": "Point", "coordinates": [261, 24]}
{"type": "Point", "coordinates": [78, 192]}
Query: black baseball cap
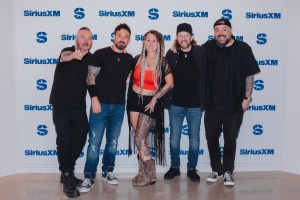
{"type": "Point", "coordinates": [222, 22]}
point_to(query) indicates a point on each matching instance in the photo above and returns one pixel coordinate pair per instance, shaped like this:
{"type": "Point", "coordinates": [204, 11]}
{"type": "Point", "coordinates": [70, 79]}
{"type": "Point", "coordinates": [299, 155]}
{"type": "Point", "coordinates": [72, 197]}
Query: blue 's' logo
{"type": "Point", "coordinates": [41, 37]}
{"type": "Point", "coordinates": [259, 85]}
{"type": "Point", "coordinates": [153, 14]}
{"type": "Point", "coordinates": [41, 84]}
{"type": "Point", "coordinates": [227, 14]}
{"type": "Point", "coordinates": [79, 13]}
{"type": "Point", "coordinates": [258, 129]}
{"type": "Point", "coordinates": [261, 38]}
{"type": "Point", "coordinates": [42, 130]}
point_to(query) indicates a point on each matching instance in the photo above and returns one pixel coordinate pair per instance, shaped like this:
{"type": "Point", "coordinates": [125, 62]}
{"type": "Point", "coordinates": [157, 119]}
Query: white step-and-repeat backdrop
{"type": "Point", "coordinates": [44, 28]}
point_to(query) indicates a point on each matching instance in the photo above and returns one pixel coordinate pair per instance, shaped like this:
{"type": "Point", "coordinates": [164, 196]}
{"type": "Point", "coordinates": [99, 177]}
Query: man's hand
{"type": "Point", "coordinates": [245, 104]}
{"type": "Point", "coordinates": [96, 106]}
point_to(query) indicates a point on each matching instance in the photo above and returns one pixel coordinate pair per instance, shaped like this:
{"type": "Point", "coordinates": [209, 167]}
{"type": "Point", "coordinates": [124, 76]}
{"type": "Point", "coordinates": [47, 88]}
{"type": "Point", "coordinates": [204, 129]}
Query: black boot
{"type": "Point", "coordinates": [69, 188]}
{"type": "Point", "coordinates": [76, 181]}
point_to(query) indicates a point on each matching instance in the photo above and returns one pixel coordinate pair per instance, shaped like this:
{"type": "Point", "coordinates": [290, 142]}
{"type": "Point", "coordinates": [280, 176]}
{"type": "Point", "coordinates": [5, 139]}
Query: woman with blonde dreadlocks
{"type": "Point", "coordinates": [150, 81]}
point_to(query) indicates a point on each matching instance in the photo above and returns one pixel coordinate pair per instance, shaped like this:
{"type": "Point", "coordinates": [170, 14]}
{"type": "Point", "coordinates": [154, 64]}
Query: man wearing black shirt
{"type": "Point", "coordinates": [188, 98]}
{"type": "Point", "coordinates": [107, 75]}
{"type": "Point", "coordinates": [231, 70]}
{"type": "Point", "coordinates": [69, 107]}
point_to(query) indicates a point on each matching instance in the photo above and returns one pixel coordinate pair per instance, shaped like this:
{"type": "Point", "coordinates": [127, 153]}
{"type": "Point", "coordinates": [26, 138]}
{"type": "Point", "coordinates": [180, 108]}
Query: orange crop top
{"type": "Point", "coordinates": [148, 79]}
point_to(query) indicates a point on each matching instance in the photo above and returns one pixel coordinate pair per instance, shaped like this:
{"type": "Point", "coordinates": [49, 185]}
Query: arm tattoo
{"type": "Point", "coordinates": [65, 56]}
{"type": "Point", "coordinates": [92, 74]}
{"type": "Point", "coordinates": [162, 92]}
{"type": "Point", "coordinates": [249, 85]}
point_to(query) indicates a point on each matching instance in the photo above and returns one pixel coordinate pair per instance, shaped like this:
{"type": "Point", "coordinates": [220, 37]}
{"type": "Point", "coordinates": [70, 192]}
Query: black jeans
{"type": "Point", "coordinates": [71, 129]}
{"type": "Point", "coordinates": [215, 123]}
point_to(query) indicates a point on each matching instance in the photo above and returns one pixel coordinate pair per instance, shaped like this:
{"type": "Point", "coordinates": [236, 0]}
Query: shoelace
{"type": "Point", "coordinates": [86, 182]}
{"type": "Point", "coordinates": [111, 176]}
{"type": "Point", "coordinates": [228, 177]}
{"type": "Point", "coordinates": [213, 175]}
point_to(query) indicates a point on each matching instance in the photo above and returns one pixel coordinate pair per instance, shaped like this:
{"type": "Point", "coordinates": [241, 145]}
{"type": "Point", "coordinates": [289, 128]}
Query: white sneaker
{"type": "Point", "coordinates": [228, 179]}
{"type": "Point", "coordinates": [110, 178]}
{"type": "Point", "coordinates": [86, 185]}
{"type": "Point", "coordinates": [213, 177]}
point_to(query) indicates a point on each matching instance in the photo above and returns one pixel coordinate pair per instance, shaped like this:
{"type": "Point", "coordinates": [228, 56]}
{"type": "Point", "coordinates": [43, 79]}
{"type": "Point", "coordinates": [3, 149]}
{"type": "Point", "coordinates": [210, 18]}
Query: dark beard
{"type": "Point", "coordinates": [121, 46]}
{"type": "Point", "coordinates": [222, 45]}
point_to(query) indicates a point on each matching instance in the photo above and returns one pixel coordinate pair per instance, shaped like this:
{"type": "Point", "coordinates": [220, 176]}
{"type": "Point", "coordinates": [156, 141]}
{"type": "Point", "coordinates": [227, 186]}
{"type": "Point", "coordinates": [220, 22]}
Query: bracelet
{"type": "Point", "coordinates": [92, 90]}
{"type": "Point", "coordinates": [248, 98]}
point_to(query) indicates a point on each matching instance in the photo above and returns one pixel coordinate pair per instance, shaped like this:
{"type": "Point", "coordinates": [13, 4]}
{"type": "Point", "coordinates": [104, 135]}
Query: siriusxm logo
{"type": "Point", "coordinates": [124, 13]}
{"type": "Point", "coordinates": [153, 14]}
{"type": "Point", "coordinates": [195, 14]}
{"type": "Point", "coordinates": [120, 152]}
{"type": "Point", "coordinates": [42, 130]}
{"type": "Point", "coordinates": [184, 129]}
{"type": "Point", "coordinates": [79, 13]}
{"type": "Point", "coordinates": [262, 108]}
{"type": "Point", "coordinates": [40, 152]}
{"type": "Point", "coordinates": [227, 14]}
{"type": "Point", "coordinates": [37, 108]}
{"type": "Point", "coordinates": [261, 38]}
{"type": "Point", "coordinates": [67, 37]}
{"type": "Point", "coordinates": [36, 13]}
{"type": "Point", "coordinates": [237, 37]}
{"type": "Point", "coordinates": [257, 15]}
{"type": "Point", "coordinates": [41, 37]}
{"type": "Point", "coordinates": [141, 37]}
{"type": "Point", "coordinates": [267, 62]}
{"type": "Point", "coordinates": [257, 152]}
{"type": "Point", "coordinates": [259, 85]}
{"type": "Point", "coordinates": [42, 61]}
{"type": "Point", "coordinates": [258, 129]}
{"type": "Point", "coordinates": [186, 152]}
{"type": "Point", "coordinates": [41, 84]}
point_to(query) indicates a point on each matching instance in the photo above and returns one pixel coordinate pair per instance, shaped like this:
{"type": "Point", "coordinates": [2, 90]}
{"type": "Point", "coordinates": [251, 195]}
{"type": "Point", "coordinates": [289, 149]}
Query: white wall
{"type": "Point", "coordinates": [8, 117]}
{"type": "Point", "coordinates": [291, 136]}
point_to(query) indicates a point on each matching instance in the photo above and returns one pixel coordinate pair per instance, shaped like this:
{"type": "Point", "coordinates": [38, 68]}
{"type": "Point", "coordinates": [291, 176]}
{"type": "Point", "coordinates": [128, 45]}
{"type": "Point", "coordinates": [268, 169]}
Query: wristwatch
{"type": "Point", "coordinates": [248, 99]}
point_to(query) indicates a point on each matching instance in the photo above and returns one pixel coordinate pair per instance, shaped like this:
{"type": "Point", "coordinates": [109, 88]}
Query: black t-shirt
{"type": "Point", "coordinates": [69, 84]}
{"type": "Point", "coordinates": [186, 79]}
{"type": "Point", "coordinates": [111, 80]}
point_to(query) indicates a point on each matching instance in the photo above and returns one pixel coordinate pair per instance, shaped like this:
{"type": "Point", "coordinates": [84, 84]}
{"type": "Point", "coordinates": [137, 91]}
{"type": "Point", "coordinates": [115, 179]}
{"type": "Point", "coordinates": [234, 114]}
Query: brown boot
{"type": "Point", "coordinates": [152, 173]}
{"type": "Point", "coordinates": [141, 170]}
{"type": "Point", "coordinates": [145, 179]}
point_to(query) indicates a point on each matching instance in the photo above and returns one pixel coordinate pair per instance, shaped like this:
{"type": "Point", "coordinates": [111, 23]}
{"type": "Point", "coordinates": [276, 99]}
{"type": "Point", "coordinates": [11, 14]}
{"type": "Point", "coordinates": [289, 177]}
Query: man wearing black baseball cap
{"type": "Point", "coordinates": [189, 70]}
{"type": "Point", "coordinates": [231, 70]}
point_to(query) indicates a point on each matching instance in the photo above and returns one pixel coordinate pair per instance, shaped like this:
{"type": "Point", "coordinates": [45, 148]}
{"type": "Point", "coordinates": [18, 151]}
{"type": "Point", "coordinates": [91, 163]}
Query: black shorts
{"type": "Point", "coordinates": [137, 103]}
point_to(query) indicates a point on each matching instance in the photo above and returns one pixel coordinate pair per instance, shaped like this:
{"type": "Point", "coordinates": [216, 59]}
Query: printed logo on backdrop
{"type": "Point", "coordinates": [29, 107]}
{"type": "Point", "coordinates": [261, 38]}
{"type": "Point", "coordinates": [184, 129]}
{"type": "Point", "coordinates": [42, 130]}
{"type": "Point", "coordinates": [262, 108]}
{"type": "Point", "coordinates": [153, 14]}
{"type": "Point", "coordinates": [259, 85]}
{"type": "Point", "coordinates": [41, 37]}
{"type": "Point", "coordinates": [46, 153]}
{"type": "Point", "coordinates": [40, 61]}
{"type": "Point", "coordinates": [69, 37]}
{"type": "Point", "coordinates": [258, 15]}
{"type": "Point", "coordinates": [237, 37]}
{"type": "Point", "coordinates": [45, 13]}
{"type": "Point", "coordinates": [258, 129]}
{"type": "Point", "coordinates": [141, 37]}
{"type": "Point", "coordinates": [79, 13]}
{"type": "Point", "coordinates": [267, 62]}
{"type": "Point", "coordinates": [260, 152]}
{"type": "Point", "coordinates": [41, 84]}
{"type": "Point", "coordinates": [227, 14]}
{"type": "Point", "coordinates": [110, 13]}
{"type": "Point", "coordinates": [190, 14]}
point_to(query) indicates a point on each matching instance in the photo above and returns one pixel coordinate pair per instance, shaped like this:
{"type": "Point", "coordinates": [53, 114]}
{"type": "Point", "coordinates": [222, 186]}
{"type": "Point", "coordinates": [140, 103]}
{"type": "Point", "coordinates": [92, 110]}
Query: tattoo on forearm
{"type": "Point", "coordinates": [249, 85]}
{"type": "Point", "coordinates": [162, 92]}
{"type": "Point", "coordinates": [92, 74]}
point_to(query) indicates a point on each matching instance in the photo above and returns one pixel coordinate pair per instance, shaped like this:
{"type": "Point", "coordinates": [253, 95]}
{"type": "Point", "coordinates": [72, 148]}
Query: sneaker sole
{"type": "Point", "coordinates": [229, 183]}
{"type": "Point", "coordinates": [213, 180]}
{"type": "Point", "coordinates": [110, 182]}
{"type": "Point", "coordinates": [170, 178]}
{"type": "Point", "coordinates": [86, 190]}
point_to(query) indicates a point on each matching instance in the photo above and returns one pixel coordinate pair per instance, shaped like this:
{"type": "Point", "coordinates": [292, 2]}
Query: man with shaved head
{"type": "Point", "coordinates": [69, 107]}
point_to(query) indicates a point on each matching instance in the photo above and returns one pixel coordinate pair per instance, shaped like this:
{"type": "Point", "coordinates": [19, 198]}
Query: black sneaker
{"type": "Point", "coordinates": [193, 175]}
{"type": "Point", "coordinates": [76, 181]}
{"type": "Point", "coordinates": [171, 173]}
{"type": "Point", "coordinates": [69, 188]}
{"type": "Point", "coordinates": [228, 179]}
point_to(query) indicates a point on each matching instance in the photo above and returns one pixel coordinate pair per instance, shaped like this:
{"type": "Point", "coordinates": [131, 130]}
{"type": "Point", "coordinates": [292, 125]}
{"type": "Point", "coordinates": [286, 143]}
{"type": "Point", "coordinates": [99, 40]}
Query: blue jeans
{"type": "Point", "coordinates": [111, 119]}
{"type": "Point", "coordinates": [193, 118]}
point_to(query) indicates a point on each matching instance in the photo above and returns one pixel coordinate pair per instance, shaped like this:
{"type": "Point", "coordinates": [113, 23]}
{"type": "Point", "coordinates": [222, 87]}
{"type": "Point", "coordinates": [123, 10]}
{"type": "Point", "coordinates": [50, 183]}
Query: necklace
{"type": "Point", "coordinates": [185, 55]}
{"type": "Point", "coordinates": [118, 59]}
